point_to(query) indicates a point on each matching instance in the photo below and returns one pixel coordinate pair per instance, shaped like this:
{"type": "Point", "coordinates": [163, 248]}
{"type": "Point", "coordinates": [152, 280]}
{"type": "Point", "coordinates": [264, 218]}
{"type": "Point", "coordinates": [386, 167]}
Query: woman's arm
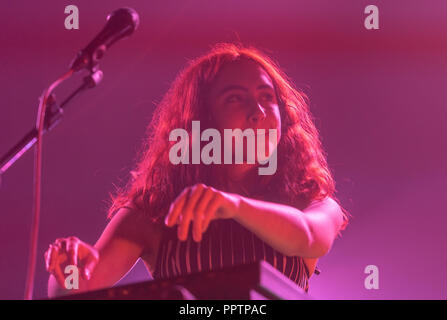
{"type": "Point", "coordinates": [119, 248]}
{"type": "Point", "coordinates": [308, 233]}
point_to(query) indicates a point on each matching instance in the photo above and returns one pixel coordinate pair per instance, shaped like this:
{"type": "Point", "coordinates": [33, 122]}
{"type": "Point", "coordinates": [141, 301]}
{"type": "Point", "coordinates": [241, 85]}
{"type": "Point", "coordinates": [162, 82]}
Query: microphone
{"type": "Point", "coordinates": [121, 23]}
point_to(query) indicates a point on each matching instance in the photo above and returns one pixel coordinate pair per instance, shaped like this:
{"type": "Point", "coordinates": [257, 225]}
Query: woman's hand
{"type": "Point", "coordinates": [70, 251]}
{"type": "Point", "coordinates": [201, 204]}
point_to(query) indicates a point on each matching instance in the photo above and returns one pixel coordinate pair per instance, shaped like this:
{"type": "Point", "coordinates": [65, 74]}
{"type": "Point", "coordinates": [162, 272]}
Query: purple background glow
{"type": "Point", "coordinates": [379, 98]}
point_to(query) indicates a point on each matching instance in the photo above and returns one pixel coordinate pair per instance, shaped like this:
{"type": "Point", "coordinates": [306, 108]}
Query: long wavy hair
{"type": "Point", "coordinates": [302, 174]}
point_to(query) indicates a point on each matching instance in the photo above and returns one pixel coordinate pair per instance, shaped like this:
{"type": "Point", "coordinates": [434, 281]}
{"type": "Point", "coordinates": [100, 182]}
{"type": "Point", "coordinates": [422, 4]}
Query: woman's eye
{"type": "Point", "coordinates": [234, 98]}
{"type": "Point", "coordinates": [267, 96]}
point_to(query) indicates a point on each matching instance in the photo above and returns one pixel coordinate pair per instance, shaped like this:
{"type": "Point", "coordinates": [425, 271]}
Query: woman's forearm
{"type": "Point", "coordinates": [280, 226]}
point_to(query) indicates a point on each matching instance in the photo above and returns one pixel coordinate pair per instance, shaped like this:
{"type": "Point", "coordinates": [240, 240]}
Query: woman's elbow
{"type": "Point", "coordinates": [313, 248]}
{"type": "Point", "coordinates": [319, 247]}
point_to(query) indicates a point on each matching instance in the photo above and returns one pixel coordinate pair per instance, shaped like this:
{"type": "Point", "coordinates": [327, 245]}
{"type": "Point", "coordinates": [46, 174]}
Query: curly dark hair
{"type": "Point", "coordinates": [302, 176]}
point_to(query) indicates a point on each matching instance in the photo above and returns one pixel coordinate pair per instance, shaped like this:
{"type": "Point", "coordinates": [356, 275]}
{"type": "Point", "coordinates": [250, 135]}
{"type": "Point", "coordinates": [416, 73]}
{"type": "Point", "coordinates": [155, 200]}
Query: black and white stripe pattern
{"type": "Point", "coordinates": [225, 243]}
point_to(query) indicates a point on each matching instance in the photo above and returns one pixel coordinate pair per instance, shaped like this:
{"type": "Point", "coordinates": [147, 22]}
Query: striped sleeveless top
{"type": "Point", "coordinates": [225, 243]}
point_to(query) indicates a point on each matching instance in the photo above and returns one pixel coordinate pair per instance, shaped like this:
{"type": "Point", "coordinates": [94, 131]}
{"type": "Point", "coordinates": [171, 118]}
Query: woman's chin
{"type": "Point", "coordinates": [239, 171]}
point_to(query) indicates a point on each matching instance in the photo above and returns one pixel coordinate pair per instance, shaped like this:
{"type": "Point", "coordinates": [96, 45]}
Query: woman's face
{"type": "Point", "coordinates": [243, 96]}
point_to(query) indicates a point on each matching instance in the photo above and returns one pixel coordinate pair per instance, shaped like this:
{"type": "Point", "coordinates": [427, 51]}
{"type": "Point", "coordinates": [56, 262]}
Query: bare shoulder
{"type": "Point", "coordinates": [327, 203]}
{"type": "Point", "coordinates": [326, 207]}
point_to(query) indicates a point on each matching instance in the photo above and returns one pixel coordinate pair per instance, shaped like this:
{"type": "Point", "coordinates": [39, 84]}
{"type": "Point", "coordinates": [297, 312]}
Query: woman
{"type": "Point", "coordinates": [190, 217]}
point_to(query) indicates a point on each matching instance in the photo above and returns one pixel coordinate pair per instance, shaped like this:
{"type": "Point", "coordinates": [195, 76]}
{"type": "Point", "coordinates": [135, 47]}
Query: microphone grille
{"type": "Point", "coordinates": [126, 16]}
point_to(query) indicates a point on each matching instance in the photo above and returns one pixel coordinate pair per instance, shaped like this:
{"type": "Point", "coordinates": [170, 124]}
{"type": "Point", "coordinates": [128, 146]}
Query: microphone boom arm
{"type": "Point", "coordinates": [52, 118]}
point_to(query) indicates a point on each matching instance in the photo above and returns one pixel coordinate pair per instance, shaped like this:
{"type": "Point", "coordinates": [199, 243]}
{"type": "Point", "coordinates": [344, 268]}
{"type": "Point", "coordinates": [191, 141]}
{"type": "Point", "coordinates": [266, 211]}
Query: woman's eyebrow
{"type": "Point", "coordinates": [265, 86]}
{"type": "Point", "coordinates": [231, 87]}
{"type": "Point", "coordinates": [238, 87]}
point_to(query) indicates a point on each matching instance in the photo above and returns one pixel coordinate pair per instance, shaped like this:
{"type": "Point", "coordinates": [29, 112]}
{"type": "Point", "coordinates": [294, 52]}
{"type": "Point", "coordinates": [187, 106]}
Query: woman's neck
{"type": "Point", "coordinates": [237, 181]}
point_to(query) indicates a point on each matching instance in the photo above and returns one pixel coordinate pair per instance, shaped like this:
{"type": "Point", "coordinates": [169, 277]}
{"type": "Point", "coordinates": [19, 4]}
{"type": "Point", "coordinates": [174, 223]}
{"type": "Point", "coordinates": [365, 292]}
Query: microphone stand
{"type": "Point", "coordinates": [52, 118]}
{"type": "Point", "coordinates": [121, 23]}
{"type": "Point", "coordinates": [46, 121]}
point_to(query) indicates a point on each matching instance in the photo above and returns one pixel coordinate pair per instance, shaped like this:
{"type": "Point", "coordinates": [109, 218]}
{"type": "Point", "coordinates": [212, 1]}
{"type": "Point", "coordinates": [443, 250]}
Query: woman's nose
{"type": "Point", "coordinates": [257, 113]}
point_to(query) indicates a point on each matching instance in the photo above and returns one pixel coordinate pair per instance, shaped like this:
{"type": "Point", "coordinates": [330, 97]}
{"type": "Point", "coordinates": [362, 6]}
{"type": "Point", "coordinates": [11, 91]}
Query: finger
{"type": "Point", "coordinates": [61, 245]}
{"type": "Point", "coordinates": [72, 250]}
{"type": "Point", "coordinates": [199, 213]}
{"type": "Point", "coordinates": [58, 274]}
{"type": "Point", "coordinates": [53, 257]}
{"type": "Point", "coordinates": [210, 211]}
{"type": "Point", "coordinates": [196, 226]}
{"type": "Point", "coordinates": [183, 221]}
{"type": "Point", "coordinates": [188, 212]}
{"type": "Point", "coordinates": [60, 242]}
{"type": "Point", "coordinates": [47, 257]}
{"type": "Point", "coordinates": [89, 266]}
{"type": "Point", "coordinates": [175, 208]}
{"type": "Point", "coordinates": [54, 264]}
